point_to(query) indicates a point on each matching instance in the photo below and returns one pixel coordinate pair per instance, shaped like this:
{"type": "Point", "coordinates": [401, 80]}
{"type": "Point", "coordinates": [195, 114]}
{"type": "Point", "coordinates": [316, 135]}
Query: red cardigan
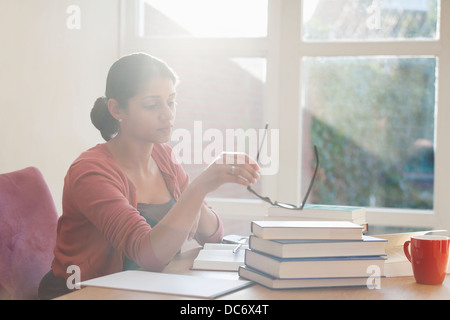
{"type": "Point", "coordinates": [100, 223]}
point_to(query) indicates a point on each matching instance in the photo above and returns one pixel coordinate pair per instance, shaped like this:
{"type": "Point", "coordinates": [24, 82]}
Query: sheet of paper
{"type": "Point", "coordinates": [185, 285]}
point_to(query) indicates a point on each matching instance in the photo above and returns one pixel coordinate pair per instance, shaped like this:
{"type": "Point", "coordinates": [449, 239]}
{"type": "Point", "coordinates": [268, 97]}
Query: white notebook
{"type": "Point", "coordinates": [176, 284]}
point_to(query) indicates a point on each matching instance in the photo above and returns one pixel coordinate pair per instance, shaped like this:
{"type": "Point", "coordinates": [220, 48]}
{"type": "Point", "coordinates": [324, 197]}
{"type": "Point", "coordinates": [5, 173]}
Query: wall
{"type": "Point", "coordinates": [49, 79]}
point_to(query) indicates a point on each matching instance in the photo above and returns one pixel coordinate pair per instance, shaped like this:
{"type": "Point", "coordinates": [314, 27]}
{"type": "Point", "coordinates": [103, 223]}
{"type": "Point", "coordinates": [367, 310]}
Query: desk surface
{"type": "Point", "coordinates": [402, 288]}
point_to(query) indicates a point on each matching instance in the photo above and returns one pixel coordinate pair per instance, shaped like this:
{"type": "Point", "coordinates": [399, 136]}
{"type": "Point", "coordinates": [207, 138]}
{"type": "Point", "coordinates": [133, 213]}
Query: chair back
{"type": "Point", "coordinates": [28, 220]}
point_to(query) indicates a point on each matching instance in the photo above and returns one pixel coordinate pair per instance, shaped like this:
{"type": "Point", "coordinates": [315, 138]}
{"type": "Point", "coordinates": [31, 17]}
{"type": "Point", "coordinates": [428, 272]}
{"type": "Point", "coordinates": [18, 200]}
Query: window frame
{"type": "Point", "coordinates": [283, 49]}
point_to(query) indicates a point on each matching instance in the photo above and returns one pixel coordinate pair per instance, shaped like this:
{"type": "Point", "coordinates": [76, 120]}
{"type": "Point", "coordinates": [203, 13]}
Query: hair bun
{"type": "Point", "coordinates": [103, 120]}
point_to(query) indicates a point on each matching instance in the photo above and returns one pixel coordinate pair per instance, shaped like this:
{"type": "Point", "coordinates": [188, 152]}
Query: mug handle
{"type": "Point", "coordinates": [406, 250]}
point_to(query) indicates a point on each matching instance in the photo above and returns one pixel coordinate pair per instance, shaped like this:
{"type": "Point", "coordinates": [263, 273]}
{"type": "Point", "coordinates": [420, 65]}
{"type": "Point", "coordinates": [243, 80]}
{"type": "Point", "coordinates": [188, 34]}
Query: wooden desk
{"type": "Point", "coordinates": [399, 288]}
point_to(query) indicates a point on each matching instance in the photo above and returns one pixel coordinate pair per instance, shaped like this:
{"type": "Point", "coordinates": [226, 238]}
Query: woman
{"type": "Point", "coordinates": [127, 203]}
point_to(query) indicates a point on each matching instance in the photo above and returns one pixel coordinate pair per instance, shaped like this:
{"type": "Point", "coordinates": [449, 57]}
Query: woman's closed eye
{"type": "Point", "coordinates": [171, 104]}
{"type": "Point", "coordinates": [151, 106]}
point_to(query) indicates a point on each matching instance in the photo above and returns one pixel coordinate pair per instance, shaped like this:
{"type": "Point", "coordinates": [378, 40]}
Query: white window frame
{"type": "Point", "coordinates": [284, 50]}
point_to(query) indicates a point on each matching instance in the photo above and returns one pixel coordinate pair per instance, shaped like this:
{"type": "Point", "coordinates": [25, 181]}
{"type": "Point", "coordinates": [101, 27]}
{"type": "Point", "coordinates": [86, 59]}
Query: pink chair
{"type": "Point", "coordinates": [28, 220]}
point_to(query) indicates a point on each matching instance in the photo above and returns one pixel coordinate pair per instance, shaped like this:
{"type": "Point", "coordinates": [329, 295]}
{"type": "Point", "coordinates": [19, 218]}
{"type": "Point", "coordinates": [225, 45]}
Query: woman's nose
{"type": "Point", "coordinates": [167, 113]}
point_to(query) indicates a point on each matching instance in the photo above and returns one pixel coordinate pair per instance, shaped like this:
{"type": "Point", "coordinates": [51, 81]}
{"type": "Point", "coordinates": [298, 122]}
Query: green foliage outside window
{"type": "Point", "coordinates": [373, 122]}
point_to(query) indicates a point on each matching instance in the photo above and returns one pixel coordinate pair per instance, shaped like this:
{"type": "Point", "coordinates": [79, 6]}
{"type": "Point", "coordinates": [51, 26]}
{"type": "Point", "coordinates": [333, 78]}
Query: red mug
{"type": "Point", "coordinates": [429, 258]}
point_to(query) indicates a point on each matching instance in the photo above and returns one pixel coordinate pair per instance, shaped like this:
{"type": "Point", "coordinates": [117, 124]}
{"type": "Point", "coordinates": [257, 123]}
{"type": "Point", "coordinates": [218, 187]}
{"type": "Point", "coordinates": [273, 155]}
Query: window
{"type": "Point", "coordinates": [373, 120]}
{"type": "Point", "coordinates": [361, 79]}
{"type": "Point", "coordinates": [369, 83]}
{"type": "Point", "coordinates": [363, 20]}
{"type": "Point", "coordinates": [222, 83]}
{"type": "Point", "coordinates": [204, 18]}
{"type": "Point", "coordinates": [216, 96]}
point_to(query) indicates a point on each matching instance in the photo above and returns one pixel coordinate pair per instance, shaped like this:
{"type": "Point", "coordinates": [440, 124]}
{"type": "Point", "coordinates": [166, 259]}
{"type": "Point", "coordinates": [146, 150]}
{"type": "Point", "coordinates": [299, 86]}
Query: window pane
{"type": "Point", "coordinates": [204, 18]}
{"type": "Point", "coordinates": [216, 94]}
{"type": "Point", "coordinates": [372, 120]}
{"type": "Point", "coordinates": [332, 20]}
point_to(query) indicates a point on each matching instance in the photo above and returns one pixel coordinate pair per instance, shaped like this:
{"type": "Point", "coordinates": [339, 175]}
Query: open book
{"type": "Point", "coordinates": [218, 256]}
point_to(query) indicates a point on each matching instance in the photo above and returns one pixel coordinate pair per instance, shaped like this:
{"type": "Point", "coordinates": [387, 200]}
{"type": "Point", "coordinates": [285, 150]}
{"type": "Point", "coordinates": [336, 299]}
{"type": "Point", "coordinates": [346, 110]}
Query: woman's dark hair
{"type": "Point", "coordinates": [125, 77]}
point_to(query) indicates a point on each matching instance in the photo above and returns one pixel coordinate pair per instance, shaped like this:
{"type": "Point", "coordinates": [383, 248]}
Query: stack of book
{"type": "Point", "coordinates": [307, 254]}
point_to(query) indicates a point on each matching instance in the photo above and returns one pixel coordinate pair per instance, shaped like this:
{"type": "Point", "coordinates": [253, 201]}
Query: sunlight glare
{"type": "Point", "coordinates": [309, 6]}
{"type": "Point", "coordinates": [214, 18]}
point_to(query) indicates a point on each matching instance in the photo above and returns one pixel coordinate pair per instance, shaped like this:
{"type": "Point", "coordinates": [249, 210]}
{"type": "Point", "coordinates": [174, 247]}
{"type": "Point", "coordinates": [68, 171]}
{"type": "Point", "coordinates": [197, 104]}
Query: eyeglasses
{"type": "Point", "coordinates": [283, 204]}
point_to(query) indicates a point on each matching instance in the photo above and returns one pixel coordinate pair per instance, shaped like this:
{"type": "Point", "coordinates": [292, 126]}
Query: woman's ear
{"type": "Point", "coordinates": [115, 110]}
